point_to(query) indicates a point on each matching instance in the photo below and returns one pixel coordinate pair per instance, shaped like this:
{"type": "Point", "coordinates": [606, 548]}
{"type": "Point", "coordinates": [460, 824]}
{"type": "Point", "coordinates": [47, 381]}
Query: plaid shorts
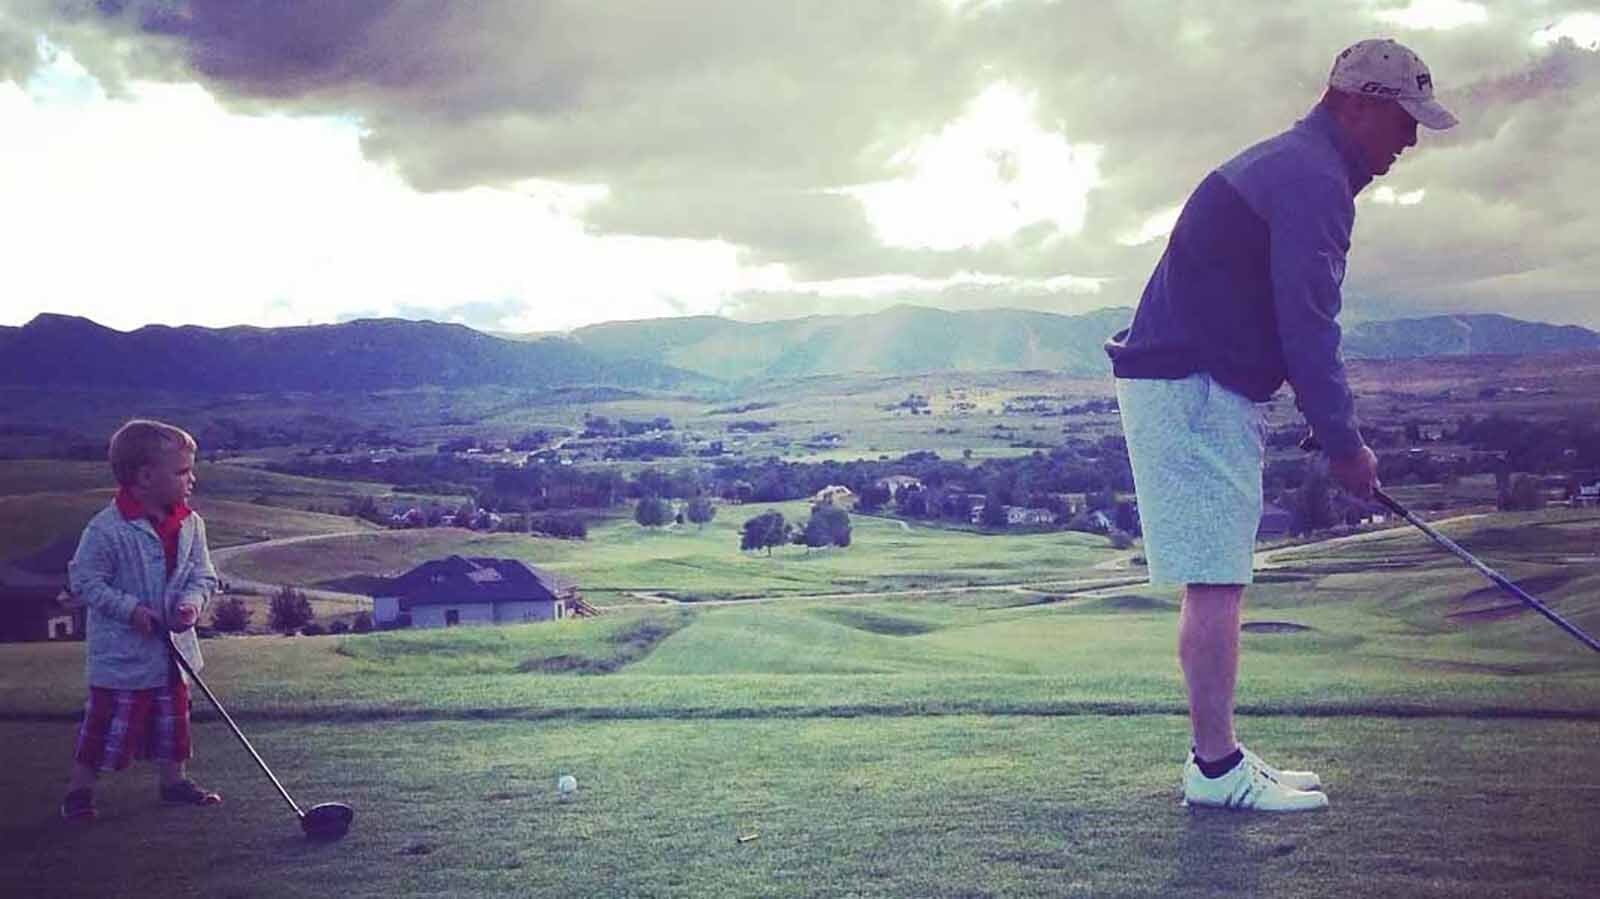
{"type": "Point", "coordinates": [122, 725]}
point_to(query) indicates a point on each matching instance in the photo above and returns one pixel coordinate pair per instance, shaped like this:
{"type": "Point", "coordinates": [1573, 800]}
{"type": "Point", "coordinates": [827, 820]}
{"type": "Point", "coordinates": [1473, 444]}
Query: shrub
{"type": "Point", "coordinates": [362, 622]}
{"type": "Point", "coordinates": [652, 512]}
{"type": "Point", "coordinates": [312, 629]}
{"type": "Point", "coordinates": [338, 627]}
{"type": "Point", "coordinates": [828, 525]}
{"type": "Point", "coordinates": [231, 616]}
{"type": "Point", "coordinates": [559, 525]}
{"type": "Point", "coordinates": [291, 610]}
{"type": "Point", "coordinates": [764, 532]}
{"type": "Point", "coordinates": [701, 510]}
{"type": "Point", "coordinates": [1524, 495]}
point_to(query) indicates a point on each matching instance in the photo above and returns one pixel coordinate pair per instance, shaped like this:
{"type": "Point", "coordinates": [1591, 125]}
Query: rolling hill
{"type": "Point", "coordinates": [1463, 335]}
{"type": "Point", "coordinates": [901, 340]}
{"type": "Point", "coordinates": [914, 339]}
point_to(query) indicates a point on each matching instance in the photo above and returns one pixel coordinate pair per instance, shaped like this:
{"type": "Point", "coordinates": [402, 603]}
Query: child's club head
{"type": "Point", "coordinates": [328, 821]}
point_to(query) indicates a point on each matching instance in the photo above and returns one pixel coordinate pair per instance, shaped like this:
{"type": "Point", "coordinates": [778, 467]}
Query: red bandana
{"type": "Point", "coordinates": [167, 528]}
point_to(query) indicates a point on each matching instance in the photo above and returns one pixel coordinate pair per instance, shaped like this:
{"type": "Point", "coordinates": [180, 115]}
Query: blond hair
{"type": "Point", "coordinates": [140, 442]}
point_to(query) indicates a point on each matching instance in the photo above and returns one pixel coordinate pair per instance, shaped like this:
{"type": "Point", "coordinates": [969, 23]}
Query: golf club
{"type": "Point", "coordinates": [1310, 444]}
{"type": "Point", "coordinates": [327, 821]}
{"type": "Point", "coordinates": [1500, 579]}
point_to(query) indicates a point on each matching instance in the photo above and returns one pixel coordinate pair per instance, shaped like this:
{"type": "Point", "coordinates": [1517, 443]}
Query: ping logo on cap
{"type": "Point", "coordinates": [1383, 68]}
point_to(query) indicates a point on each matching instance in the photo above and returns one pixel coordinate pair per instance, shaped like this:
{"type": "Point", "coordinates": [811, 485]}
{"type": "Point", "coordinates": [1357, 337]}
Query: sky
{"type": "Point", "coordinates": [539, 165]}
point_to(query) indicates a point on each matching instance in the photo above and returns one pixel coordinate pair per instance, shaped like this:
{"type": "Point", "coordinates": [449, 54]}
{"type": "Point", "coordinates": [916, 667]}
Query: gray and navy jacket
{"type": "Point", "coordinates": [1248, 288]}
{"type": "Point", "coordinates": [120, 564]}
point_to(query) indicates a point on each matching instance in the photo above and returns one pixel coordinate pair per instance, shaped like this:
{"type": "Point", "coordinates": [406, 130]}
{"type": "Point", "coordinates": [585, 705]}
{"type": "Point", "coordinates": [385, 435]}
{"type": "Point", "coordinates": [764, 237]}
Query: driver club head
{"type": "Point", "coordinates": [328, 821]}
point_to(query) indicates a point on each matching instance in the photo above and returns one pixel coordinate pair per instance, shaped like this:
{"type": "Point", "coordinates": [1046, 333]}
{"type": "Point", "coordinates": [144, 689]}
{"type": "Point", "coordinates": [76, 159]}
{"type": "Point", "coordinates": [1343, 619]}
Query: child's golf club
{"type": "Point", "coordinates": [327, 821]}
{"type": "Point", "coordinates": [1310, 444]}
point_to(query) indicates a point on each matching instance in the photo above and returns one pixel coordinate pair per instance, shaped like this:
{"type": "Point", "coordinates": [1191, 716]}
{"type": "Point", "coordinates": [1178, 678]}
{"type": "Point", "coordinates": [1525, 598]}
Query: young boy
{"type": "Point", "coordinates": [143, 570]}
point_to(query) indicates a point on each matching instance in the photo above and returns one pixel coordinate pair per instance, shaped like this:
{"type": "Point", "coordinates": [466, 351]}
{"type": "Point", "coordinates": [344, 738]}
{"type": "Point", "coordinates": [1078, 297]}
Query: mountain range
{"type": "Point", "coordinates": [693, 354]}
{"type": "Point", "coordinates": [66, 351]}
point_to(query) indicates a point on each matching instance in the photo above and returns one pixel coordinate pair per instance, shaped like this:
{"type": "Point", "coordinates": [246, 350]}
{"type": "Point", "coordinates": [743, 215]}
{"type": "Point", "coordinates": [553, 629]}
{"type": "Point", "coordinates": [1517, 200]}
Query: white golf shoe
{"type": "Point", "coordinates": [1294, 780]}
{"type": "Point", "coordinates": [1249, 786]}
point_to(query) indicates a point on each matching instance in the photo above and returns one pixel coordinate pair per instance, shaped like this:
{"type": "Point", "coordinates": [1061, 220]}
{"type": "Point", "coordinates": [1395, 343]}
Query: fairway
{"type": "Point", "coordinates": [692, 564]}
{"type": "Point", "coordinates": [950, 740]}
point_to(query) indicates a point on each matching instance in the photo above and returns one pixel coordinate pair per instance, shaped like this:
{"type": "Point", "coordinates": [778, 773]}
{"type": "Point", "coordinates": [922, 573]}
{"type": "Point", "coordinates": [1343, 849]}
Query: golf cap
{"type": "Point", "coordinates": [1381, 67]}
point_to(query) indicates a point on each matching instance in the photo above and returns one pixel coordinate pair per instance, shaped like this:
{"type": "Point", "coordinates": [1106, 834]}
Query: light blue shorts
{"type": "Point", "coordinates": [1197, 449]}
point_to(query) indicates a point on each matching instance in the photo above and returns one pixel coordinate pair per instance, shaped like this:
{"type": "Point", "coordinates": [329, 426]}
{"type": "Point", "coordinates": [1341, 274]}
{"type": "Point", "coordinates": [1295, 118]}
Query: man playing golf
{"type": "Point", "coordinates": [1246, 296]}
{"type": "Point", "coordinates": [143, 569]}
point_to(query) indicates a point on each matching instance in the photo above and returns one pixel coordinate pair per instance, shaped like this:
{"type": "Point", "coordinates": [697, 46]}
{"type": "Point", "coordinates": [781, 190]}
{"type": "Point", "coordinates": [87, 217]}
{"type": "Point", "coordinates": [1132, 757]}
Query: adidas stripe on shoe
{"type": "Point", "coordinates": [1250, 786]}
{"type": "Point", "coordinates": [1294, 780]}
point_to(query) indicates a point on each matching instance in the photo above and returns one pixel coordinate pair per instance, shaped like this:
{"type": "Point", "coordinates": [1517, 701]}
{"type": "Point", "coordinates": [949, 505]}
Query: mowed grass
{"type": "Point", "coordinates": [952, 806]}
{"type": "Point", "coordinates": [960, 741]}
{"type": "Point", "coordinates": [691, 563]}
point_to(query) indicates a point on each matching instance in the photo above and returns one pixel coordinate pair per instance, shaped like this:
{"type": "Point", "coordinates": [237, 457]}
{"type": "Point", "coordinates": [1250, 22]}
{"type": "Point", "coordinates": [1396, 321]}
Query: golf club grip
{"type": "Point", "coordinates": [172, 647]}
{"type": "Point", "coordinates": [1499, 579]}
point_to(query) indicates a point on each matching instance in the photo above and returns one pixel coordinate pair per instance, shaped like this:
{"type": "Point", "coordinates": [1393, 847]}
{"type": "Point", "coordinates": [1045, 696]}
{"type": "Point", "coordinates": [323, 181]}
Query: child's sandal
{"type": "Point", "coordinates": [184, 792]}
{"type": "Point", "coordinates": [78, 805]}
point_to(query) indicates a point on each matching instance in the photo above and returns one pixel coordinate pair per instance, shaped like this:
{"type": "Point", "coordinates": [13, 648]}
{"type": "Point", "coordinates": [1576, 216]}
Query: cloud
{"type": "Point", "coordinates": [1442, 15]}
{"type": "Point", "coordinates": [712, 154]}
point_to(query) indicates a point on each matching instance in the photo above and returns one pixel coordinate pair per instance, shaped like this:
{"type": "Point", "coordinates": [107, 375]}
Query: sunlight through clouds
{"type": "Point", "coordinates": [984, 177]}
{"type": "Point", "coordinates": [1583, 29]}
{"type": "Point", "coordinates": [1154, 228]}
{"type": "Point", "coordinates": [161, 206]}
{"type": "Point", "coordinates": [1436, 14]}
{"type": "Point", "coordinates": [1388, 196]}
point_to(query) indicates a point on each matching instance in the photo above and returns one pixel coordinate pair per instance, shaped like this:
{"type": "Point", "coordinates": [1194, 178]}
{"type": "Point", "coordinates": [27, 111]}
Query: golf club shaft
{"type": "Point", "coordinates": [1500, 579]}
{"type": "Point", "coordinates": [176, 654]}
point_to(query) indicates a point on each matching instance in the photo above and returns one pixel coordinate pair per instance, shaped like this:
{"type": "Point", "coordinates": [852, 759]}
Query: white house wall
{"type": "Point", "coordinates": [518, 612]}
{"type": "Point", "coordinates": [433, 615]}
{"type": "Point", "coordinates": [385, 609]}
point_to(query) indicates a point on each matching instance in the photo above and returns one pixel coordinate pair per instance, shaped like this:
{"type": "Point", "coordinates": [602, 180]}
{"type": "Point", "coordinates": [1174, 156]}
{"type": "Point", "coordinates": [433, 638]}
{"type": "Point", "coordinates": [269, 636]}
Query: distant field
{"type": "Point", "coordinates": [31, 521]}
{"type": "Point", "coordinates": [44, 500]}
{"type": "Point", "coordinates": [694, 564]}
{"type": "Point", "coordinates": [221, 480]}
{"type": "Point", "coordinates": [1474, 490]}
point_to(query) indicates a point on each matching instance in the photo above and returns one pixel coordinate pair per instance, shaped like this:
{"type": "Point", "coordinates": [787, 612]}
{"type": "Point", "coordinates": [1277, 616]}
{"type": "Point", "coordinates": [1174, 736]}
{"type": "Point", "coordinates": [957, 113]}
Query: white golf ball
{"type": "Point", "coordinates": [567, 784]}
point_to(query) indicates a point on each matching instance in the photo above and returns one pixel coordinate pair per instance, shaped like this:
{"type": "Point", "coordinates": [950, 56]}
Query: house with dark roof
{"type": "Point", "coordinates": [34, 603]}
{"type": "Point", "coordinates": [458, 590]}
